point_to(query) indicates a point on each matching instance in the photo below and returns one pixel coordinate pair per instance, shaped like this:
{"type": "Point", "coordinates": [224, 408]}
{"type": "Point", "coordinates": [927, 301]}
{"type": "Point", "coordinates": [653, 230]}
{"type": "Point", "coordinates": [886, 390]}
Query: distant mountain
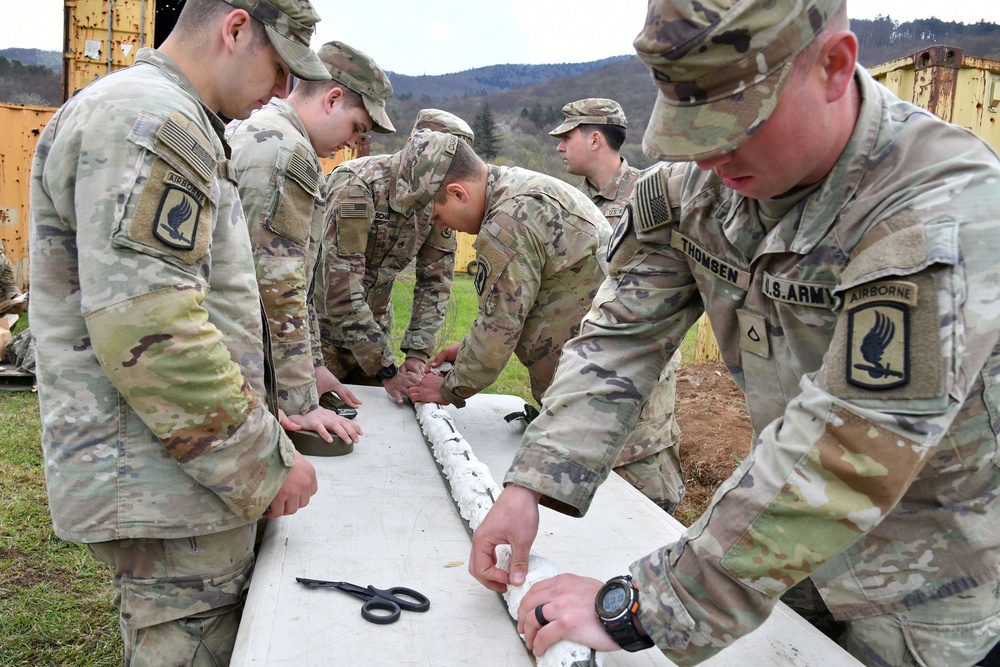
{"type": "Point", "coordinates": [483, 80]}
{"type": "Point", "coordinates": [50, 59]}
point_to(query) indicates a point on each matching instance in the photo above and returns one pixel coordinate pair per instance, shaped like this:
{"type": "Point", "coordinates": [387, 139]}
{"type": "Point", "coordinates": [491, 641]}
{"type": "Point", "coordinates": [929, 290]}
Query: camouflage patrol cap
{"type": "Point", "coordinates": [442, 121]}
{"type": "Point", "coordinates": [423, 165]}
{"type": "Point", "coordinates": [720, 66]}
{"type": "Point", "coordinates": [357, 71]}
{"type": "Point", "coordinates": [591, 111]}
{"type": "Point", "coordinates": [290, 25]}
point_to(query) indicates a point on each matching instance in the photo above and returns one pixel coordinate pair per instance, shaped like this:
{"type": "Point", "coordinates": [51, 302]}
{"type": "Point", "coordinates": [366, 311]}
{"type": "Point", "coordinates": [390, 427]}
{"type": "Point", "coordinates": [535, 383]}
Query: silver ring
{"type": "Point", "coordinates": [539, 616]}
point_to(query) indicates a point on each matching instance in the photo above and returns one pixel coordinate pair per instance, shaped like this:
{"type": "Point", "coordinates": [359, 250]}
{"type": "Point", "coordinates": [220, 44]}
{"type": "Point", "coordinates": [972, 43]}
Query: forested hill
{"type": "Point", "coordinates": [521, 103]}
{"type": "Point", "coordinates": [485, 80]}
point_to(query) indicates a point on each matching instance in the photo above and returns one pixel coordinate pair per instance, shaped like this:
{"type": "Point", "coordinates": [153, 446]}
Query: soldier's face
{"type": "Point", "coordinates": [255, 77]}
{"type": "Point", "coordinates": [458, 213]}
{"type": "Point", "coordinates": [343, 127]}
{"type": "Point", "coordinates": [573, 148]}
{"type": "Point", "coordinates": [789, 149]}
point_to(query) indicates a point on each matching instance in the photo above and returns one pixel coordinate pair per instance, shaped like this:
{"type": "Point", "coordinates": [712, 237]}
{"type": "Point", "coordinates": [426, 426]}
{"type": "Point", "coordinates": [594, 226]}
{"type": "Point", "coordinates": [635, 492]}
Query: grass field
{"type": "Point", "coordinates": [55, 600]}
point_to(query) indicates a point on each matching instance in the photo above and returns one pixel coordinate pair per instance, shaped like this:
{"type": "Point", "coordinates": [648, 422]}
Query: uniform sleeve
{"type": "Point", "coordinates": [638, 318]}
{"type": "Point", "coordinates": [280, 192]}
{"type": "Point", "coordinates": [345, 318]}
{"type": "Point", "coordinates": [864, 431]}
{"type": "Point", "coordinates": [511, 258]}
{"type": "Point", "coordinates": [431, 291]}
{"type": "Point", "coordinates": [147, 230]}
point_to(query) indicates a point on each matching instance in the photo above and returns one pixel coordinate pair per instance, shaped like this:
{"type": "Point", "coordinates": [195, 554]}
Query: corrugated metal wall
{"type": "Point", "coordinates": [20, 127]}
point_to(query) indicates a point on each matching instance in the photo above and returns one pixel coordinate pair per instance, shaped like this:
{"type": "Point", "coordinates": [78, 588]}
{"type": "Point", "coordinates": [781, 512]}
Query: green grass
{"type": "Point", "coordinates": [55, 600]}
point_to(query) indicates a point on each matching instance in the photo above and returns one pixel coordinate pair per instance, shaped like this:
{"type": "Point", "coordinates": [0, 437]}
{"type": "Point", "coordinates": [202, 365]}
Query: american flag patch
{"type": "Point", "coordinates": [649, 203]}
{"type": "Point", "coordinates": [353, 209]}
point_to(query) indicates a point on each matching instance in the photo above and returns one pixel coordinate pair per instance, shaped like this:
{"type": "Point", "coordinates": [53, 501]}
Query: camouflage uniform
{"type": "Point", "coordinates": [150, 357]}
{"type": "Point", "coordinates": [8, 284]}
{"type": "Point", "coordinates": [379, 220]}
{"type": "Point", "coordinates": [538, 270]}
{"type": "Point", "coordinates": [283, 192]}
{"type": "Point", "coordinates": [874, 471]}
{"type": "Point", "coordinates": [650, 460]}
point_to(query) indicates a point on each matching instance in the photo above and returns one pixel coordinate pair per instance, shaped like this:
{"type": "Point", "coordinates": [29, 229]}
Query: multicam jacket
{"type": "Point", "coordinates": [611, 199]}
{"type": "Point", "coordinates": [147, 317]}
{"type": "Point", "coordinates": [538, 270]}
{"type": "Point", "coordinates": [283, 192]}
{"type": "Point", "coordinates": [371, 237]}
{"type": "Point", "coordinates": [863, 328]}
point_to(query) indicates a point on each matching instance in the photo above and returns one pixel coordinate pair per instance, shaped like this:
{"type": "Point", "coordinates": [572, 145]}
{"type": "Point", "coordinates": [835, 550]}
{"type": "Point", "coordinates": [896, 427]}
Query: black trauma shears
{"type": "Point", "coordinates": [376, 599]}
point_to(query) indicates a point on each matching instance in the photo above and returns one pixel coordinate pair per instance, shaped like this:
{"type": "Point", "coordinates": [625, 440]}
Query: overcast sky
{"type": "Point", "coordinates": [442, 36]}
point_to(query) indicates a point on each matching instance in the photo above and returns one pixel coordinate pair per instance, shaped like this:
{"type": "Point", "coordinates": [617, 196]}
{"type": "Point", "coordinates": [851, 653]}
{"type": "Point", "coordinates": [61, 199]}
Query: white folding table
{"type": "Point", "coordinates": [384, 516]}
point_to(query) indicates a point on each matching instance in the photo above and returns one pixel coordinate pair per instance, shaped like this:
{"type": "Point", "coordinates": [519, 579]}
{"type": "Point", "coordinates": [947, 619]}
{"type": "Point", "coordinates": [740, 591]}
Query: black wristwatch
{"type": "Point", "coordinates": [617, 603]}
{"type": "Point", "coordinates": [386, 373]}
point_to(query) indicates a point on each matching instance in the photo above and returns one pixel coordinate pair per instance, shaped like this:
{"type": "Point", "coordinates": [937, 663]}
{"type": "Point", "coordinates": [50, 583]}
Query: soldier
{"type": "Point", "coordinates": [538, 270]}
{"type": "Point", "coordinates": [160, 451]}
{"type": "Point", "coordinates": [844, 245]}
{"type": "Point", "coordinates": [283, 190]}
{"type": "Point", "coordinates": [590, 138]}
{"type": "Point", "coordinates": [8, 289]}
{"type": "Point", "coordinates": [379, 221]}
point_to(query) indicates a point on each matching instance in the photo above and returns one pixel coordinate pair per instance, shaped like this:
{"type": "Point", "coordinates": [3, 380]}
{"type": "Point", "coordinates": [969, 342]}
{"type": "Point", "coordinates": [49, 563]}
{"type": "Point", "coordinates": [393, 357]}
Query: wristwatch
{"type": "Point", "coordinates": [386, 372]}
{"type": "Point", "coordinates": [616, 604]}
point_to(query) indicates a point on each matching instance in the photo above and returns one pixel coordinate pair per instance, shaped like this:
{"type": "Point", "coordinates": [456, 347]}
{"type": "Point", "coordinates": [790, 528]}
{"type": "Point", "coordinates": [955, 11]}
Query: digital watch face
{"type": "Point", "coordinates": [613, 600]}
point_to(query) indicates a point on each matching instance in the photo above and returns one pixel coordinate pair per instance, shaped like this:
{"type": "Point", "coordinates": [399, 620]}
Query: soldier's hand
{"type": "Point", "coordinates": [414, 365]}
{"type": "Point", "coordinates": [448, 354]}
{"type": "Point", "coordinates": [399, 384]}
{"type": "Point", "coordinates": [429, 390]}
{"type": "Point", "coordinates": [294, 494]}
{"type": "Point", "coordinates": [327, 381]}
{"type": "Point", "coordinates": [328, 423]}
{"type": "Point", "coordinates": [512, 520]}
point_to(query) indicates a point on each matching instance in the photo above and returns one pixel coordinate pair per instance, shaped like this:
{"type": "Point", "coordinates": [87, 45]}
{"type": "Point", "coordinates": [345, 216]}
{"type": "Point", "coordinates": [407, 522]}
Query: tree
{"type": "Point", "coordinates": [488, 137]}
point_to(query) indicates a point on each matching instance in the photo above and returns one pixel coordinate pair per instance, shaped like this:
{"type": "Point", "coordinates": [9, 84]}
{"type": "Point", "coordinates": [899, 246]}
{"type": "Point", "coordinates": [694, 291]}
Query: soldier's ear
{"type": "Point", "coordinates": [458, 191]}
{"type": "Point", "coordinates": [332, 96]}
{"type": "Point", "coordinates": [237, 29]}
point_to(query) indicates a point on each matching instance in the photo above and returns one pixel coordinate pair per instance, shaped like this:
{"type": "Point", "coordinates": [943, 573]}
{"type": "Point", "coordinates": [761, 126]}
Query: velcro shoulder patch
{"type": "Point", "coordinates": [177, 136]}
{"type": "Point", "coordinates": [300, 169]}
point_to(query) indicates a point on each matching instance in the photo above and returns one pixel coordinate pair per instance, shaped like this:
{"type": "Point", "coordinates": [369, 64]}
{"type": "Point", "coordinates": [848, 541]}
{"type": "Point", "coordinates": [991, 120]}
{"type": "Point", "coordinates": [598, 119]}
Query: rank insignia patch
{"type": "Point", "coordinates": [176, 222]}
{"type": "Point", "coordinates": [878, 345]}
{"type": "Point", "coordinates": [482, 273]}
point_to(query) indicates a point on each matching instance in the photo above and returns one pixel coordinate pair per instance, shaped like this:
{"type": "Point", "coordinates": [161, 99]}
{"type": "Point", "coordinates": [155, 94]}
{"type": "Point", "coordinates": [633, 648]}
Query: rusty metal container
{"type": "Point", "coordinates": [958, 88]}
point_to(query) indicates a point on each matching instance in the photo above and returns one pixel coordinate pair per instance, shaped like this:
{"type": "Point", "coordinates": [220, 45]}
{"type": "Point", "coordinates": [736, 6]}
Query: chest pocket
{"type": "Point", "coordinates": [298, 196]}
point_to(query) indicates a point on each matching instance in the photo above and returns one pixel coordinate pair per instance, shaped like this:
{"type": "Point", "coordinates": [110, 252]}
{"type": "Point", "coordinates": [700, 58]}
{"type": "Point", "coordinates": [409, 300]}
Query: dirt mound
{"type": "Point", "coordinates": [715, 432]}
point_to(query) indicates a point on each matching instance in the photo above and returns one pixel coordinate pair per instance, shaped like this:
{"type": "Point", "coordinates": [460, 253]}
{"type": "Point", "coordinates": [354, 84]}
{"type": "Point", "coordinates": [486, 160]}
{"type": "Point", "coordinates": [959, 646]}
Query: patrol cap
{"type": "Point", "coordinates": [423, 165]}
{"type": "Point", "coordinates": [290, 25]}
{"type": "Point", "coordinates": [443, 121]}
{"type": "Point", "coordinates": [358, 72]}
{"type": "Point", "coordinates": [591, 111]}
{"type": "Point", "coordinates": [720, 67]}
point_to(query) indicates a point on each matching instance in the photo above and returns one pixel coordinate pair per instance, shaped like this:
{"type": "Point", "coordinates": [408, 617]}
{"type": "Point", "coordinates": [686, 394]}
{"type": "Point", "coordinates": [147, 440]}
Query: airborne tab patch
{"type": "Point", "coordinates": [878, 344]}
{"type": "Point", "coordinates": [176, 220]}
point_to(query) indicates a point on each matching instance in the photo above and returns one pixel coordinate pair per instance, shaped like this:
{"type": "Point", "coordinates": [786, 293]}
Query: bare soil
{"type": "Point", "coordinates": [715, 432]}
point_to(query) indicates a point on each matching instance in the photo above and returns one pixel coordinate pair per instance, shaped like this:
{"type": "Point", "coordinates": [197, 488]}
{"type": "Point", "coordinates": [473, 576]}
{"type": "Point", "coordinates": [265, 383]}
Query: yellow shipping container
{"type": "Point", "coordinates": [958, 88]}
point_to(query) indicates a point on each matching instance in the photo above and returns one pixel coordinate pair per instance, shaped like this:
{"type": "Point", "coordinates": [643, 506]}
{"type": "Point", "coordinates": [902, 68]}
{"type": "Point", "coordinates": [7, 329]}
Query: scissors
{"type": "Point", "coordinates": [376, 599]}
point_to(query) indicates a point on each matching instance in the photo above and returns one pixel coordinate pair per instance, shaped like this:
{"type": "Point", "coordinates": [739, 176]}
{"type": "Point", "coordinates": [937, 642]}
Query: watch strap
{"type": "Point", "coordinates": [386, 372]}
